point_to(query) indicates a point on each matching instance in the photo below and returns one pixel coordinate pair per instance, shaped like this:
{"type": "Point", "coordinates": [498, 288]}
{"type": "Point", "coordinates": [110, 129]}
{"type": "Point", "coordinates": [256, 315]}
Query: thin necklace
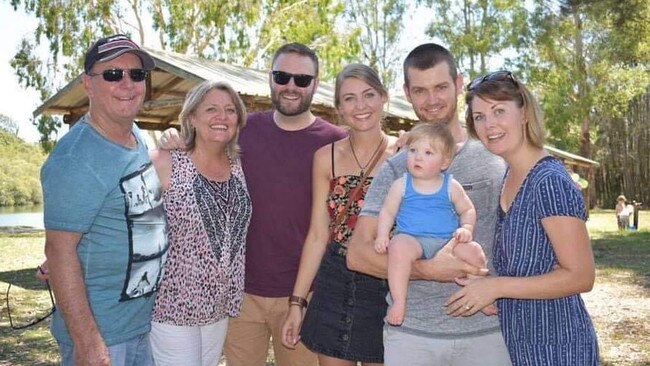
{"type": "Point", "coordinates": [131, 143]}
{"type": "Point", "coordinates": [363, 168]}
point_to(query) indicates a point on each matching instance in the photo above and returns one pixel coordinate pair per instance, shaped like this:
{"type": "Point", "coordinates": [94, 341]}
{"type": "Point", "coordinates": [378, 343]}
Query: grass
{"type": "Point", "coordinates": [21, 253]}
{"type": "Point", "coordinates": [620, 251]}
{"type": "Point", "coordinates": [619, 303]}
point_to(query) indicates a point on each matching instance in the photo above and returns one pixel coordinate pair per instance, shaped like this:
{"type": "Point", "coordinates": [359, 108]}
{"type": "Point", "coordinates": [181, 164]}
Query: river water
{"type": "Point", "coordinates": [22, 216]}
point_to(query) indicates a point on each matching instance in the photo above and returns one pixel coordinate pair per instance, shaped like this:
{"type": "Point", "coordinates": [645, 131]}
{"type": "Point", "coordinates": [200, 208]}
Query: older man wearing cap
{"type": "Point", "coordinates": [105, 227]}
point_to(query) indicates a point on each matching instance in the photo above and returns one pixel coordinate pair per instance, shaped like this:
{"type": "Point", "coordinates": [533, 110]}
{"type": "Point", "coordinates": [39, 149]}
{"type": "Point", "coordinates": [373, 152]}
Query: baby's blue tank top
{"type": "Point", "coordinates": [427, 214]}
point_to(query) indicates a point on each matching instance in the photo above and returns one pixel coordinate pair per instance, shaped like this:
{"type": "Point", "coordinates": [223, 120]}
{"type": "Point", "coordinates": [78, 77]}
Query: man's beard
{"type": "Point", "coordinates": [303, 106]}
{"type": "Point", "coordinates": [446, 119]}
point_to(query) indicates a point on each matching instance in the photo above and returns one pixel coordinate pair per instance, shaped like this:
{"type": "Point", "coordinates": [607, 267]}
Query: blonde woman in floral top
{"type": "Point", "coordinates": [208, 210]}
{"type": "Point", "coordinates": [344, 320]}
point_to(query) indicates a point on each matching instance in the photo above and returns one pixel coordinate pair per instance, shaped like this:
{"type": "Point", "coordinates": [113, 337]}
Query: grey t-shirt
{"type": "Point", "coordinates": [481, 174]}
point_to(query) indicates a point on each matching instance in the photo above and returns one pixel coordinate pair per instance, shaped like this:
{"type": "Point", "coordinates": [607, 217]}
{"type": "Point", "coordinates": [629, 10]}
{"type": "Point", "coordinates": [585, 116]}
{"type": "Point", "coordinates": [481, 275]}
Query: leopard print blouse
{"type": "Point", "coordinates": [204, 272]}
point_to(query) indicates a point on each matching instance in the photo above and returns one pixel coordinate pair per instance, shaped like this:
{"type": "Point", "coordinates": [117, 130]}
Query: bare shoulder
{"type": "Point", "coordinates": [323, 159]}
{"type": "Point", "coordinates": [455, 184]}
{"type": "Point", "coordinates": [456, 187]}
{"type": "Point", "coordinates": [324, 150]}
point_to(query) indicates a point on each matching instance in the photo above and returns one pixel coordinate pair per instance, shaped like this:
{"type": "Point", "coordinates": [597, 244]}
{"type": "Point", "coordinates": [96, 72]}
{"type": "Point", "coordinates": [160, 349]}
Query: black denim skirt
{"type": "Point", "coordinates": [345, 318]}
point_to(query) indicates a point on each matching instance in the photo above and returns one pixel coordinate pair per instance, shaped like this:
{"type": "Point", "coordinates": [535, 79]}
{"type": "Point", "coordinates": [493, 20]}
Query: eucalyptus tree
{"type": "Point", "coordinates": [478, 31]}
{"type": "Point", "coordinates": [244, 32]}
{"type": "Point", "coordinates": [378, 26]}
{"type": "Point", "coordinates": [9, 125]}
{"type": "Point", "coordinates": [591, 61]}
{"type": "Point", "coordinates": [311, 22]}
{"type": "Point", "coordinates": [586, 65]}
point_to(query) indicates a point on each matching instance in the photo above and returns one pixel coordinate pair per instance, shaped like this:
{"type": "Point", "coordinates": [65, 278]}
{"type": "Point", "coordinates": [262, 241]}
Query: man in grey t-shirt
{"type": "Point", "coordinates": [428, 335]}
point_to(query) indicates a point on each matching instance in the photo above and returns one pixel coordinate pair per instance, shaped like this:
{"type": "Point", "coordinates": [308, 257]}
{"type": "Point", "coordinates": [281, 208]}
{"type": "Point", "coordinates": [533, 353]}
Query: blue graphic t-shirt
{"type": "Point", "coordinates": [112, 196]}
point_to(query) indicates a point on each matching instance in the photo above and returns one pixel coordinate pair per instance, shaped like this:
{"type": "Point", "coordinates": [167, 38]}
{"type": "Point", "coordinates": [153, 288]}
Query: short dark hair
{"type": "Point", "coordinates": [298, 48]}
{"type": "Point", "coordinates": [428, 55]}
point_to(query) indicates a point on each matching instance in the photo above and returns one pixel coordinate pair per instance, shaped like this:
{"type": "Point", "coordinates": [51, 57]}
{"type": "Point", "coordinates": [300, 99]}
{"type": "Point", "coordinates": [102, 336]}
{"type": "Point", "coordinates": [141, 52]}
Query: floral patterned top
{"type": "Point", "coordinates": [340, 189]}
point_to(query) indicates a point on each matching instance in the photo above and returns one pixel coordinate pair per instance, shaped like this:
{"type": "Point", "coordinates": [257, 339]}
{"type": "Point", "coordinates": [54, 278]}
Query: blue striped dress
{"type": "Point", "coordinates": [541, 332]}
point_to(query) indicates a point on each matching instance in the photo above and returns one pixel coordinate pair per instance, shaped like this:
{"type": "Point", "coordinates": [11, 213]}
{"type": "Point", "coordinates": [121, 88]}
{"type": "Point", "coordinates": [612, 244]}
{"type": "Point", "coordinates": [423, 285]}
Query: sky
{"type": "Point", "coordinates": [16, 101]}
{"type": "Point", "coordinates": [19, 103]}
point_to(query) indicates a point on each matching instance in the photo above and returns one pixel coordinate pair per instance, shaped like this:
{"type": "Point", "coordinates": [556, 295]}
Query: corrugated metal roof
{"type": "Point", "coordinates": [567, 157]}
{"type": "Point", "coordinates": [175, 74]}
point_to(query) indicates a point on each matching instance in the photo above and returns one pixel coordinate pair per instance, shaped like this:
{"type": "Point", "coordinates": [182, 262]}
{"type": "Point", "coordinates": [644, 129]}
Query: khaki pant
{"type": "Point", "coordinates": [247, 340]}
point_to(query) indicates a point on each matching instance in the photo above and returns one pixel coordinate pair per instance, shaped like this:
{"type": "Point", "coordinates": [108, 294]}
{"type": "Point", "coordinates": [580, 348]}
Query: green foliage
{"type": "Point", "coordinates": [311, 22]}
{"type": "Point", "coordinates": [244, 32]}
{"type": "Point", "coordinates": [9, 125]}
{"type": "Point", "coordinates": [204, 28]}
{"type": "Point", "coordinates": [477, 30]}
{"type": "Point", "coordinates": [590, 58]}
{"type": "Point", "coordinates": [20, 165]}
{"type": "Point", "coordinates": [378, 24]}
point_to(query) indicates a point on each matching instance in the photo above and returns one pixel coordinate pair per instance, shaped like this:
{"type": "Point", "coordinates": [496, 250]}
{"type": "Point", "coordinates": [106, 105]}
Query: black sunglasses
{"type": "Point", "coordinates": [115, 75]}
{"type": "Point", "coordinates": [15, 324]}
{"type": "Point", "coordinates": [282, 78]}
{"type": "Point", "coordinates": [501, 75]}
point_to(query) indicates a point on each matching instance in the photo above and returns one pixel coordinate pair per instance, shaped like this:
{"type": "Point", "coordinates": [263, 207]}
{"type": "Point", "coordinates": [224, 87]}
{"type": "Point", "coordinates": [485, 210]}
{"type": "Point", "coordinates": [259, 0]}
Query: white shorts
{"type": "Point", "coordinates": [188, 346]}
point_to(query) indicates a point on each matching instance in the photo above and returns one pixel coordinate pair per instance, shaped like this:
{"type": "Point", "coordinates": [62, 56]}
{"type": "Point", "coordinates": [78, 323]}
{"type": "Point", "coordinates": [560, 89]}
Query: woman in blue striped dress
{"type": "Point", "coordinates": [542, 254]}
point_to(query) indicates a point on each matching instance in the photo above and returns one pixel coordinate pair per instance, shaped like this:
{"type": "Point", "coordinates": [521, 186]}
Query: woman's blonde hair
{"type": "Point", "coordinates": [507, 88]}
{"type": "Point", "coordinates": [193, 98]}
{"type": "Point", "coordinates": [361, 72]}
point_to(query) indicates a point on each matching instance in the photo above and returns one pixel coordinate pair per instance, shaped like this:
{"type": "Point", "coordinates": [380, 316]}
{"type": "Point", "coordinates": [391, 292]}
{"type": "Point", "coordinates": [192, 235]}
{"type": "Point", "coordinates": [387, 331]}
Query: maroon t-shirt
{"type": "Point", "coordinates": [278, 169]}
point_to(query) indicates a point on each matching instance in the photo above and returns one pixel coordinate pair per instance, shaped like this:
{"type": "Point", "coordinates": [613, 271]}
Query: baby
{"type": "Point", "coordinates": [430, 208]}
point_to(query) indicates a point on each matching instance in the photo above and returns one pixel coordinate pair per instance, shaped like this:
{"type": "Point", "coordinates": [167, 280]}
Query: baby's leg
{"type": "Point", "coordinates": [473, 254]}
{"type": "Point", "coordinates": [403, 250]}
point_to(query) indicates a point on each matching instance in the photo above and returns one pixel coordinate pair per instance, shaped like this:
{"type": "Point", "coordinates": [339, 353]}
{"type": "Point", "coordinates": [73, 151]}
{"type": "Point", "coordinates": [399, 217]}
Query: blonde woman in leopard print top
{"type": "Point", "coordinates": [208, 210]}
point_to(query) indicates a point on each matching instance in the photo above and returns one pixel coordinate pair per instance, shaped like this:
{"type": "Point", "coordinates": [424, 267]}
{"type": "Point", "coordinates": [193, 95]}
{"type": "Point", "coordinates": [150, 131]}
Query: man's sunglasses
{"type": "Point", "coordinates": [116, 75]}
{"type": "Point", "coordinates": [282, 78]}
{"type": "Point", "coordinates": [501, 75]}
{"type": "Point", "coordinates": [24, 316]}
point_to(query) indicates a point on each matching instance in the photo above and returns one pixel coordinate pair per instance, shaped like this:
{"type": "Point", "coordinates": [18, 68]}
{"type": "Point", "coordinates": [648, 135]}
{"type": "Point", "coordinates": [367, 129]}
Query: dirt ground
{"type": "Point", "coordinates": [620, 310]}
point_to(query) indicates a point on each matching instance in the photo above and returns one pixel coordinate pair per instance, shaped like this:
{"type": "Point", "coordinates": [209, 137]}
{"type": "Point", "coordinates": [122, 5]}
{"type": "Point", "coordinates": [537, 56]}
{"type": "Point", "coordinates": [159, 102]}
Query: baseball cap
{"type": "Point", "coordinates": [108, 48]}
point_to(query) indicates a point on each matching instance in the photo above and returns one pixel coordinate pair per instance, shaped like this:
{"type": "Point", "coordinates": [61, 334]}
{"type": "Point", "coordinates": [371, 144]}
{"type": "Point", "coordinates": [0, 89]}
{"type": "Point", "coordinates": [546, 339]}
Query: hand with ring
{"type": "Point", "coordinates": [478, 294]}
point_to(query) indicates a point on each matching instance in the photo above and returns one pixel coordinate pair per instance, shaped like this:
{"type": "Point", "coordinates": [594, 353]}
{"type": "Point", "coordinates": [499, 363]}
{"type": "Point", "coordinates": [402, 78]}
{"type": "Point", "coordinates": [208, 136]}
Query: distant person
{"type": "Point", "coordinates": [542, 253]}
{"type": "Point", "coordinates": [428, 335]}
{"type": "Point", "coordinates": [344, 320]}
{"type": "Point", "coordinates": [622, 213]}
{"type": "Point", "coordinates": [106, 235]}
{"type": "Point", "coordinates": [208, 211]}
{"type": "Point", "coordinates": [277, 147]}
{"type": "Point", "coordinates": [430, 208]}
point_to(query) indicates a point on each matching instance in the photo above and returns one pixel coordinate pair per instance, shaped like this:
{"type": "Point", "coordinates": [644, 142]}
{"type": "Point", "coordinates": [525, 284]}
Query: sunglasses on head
{"type": "Point", "coordinates": [282, 78]}
{"type": "Point", "coordinates": [501, 75]}
{"type": "Point", "coordinates": [115, 75]}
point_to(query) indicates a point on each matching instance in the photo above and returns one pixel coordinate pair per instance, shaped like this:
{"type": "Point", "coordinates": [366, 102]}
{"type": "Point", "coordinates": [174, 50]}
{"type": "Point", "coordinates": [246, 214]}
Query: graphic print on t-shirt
{"type": "Point", "coordinates": [148, 244]}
